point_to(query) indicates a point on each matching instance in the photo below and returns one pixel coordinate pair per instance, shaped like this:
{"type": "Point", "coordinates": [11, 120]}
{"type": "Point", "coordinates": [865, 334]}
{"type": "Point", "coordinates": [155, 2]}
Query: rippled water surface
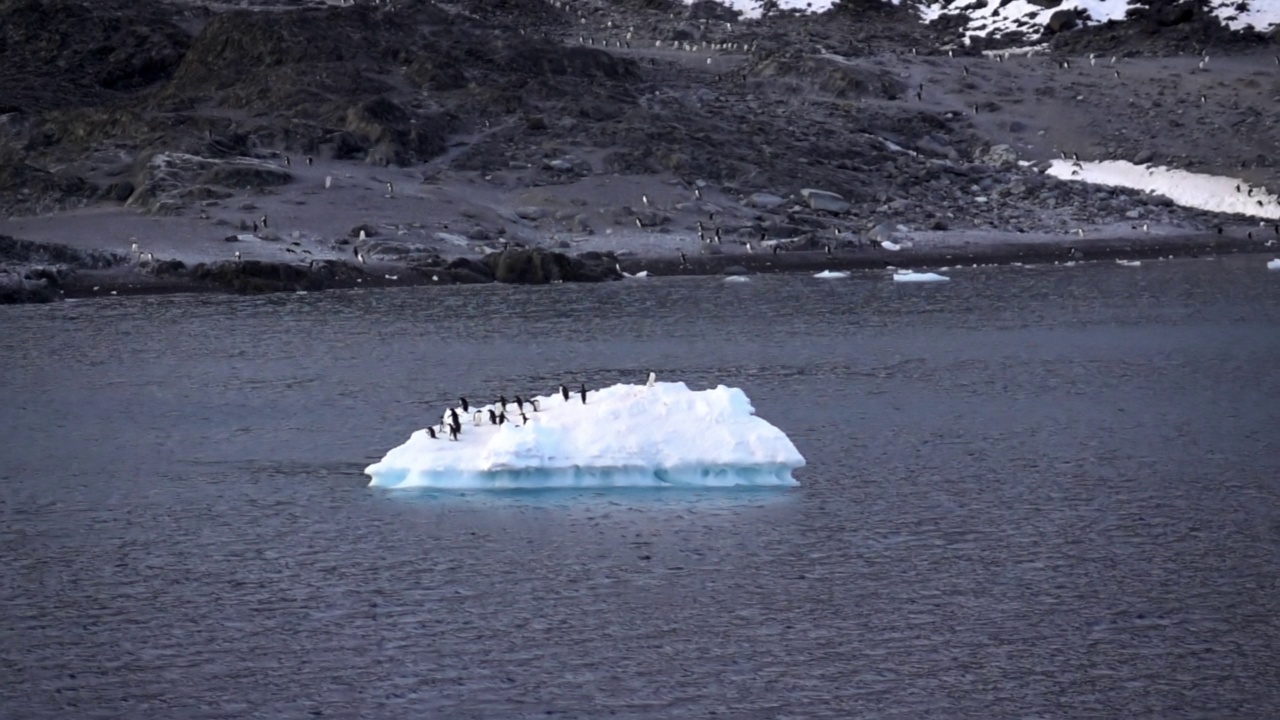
{"type": "Point", "coordinates": [1031, 492]}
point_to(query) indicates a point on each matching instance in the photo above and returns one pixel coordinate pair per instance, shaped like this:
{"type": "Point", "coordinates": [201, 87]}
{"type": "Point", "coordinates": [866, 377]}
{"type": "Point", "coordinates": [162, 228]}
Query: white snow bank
{"type": "Point", "coordinates": [1215, 193]}
{"type": "Point", "coordinates": [917, 277]}
{"type": "Point", "coordinates": [624, 435]}
{"type": "Point", "coordinates": [1273, 264]}
{"type": "Point", "coordinates": [832, 274]}
{"type": "Point", "coordinates": [998, 18]}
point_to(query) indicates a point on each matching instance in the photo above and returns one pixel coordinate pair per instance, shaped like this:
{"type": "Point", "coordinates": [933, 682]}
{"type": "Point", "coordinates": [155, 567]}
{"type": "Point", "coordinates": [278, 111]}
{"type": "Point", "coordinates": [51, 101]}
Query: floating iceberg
{"type": "Point", "coordinates": [1273, 264]}
{"type": "Point", "coordinates": [623, 436]}
{"type": "Point", "coordinates": [832, 274]}
{"type": "Point", "coordinates": [908, 276]}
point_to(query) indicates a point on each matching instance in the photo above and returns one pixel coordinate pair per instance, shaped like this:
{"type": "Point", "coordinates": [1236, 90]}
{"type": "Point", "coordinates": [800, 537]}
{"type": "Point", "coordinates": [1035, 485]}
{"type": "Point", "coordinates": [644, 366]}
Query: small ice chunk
{"type": "Point", "coordinates": [1274, 264]}
{"type": "Point", "coordinates": [832, 274]}
{"type": "Point", "coordinates": [918, 277]}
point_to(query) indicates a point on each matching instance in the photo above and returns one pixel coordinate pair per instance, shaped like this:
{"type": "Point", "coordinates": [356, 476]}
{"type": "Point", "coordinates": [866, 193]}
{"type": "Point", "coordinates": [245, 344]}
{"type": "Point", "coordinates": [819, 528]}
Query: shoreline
{"type": "Point", "coordinates": [128, 281]}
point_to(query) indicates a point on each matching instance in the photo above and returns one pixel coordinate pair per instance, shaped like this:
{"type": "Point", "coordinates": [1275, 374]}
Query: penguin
{"type": "Point", "coordinates": [697, 193]}
{"type": "Point", "coordinates": [653, 378]}
{"type": "Point", "coordinates": [684, 263]}
{"type": "Point", "coordinates": [454, 431]}
{"type": "Point", "coordinates": [645, 200]}
{"type": "Point", "coordinates": [237, 256]}
{"type": "Point", "coordinates": [639, 224]}
{"type": "Point", "coordinates": [493, 417]}
{"type": "Point", "coordinates": [776, 249]}
{"type": "Point", "coordinates": [1075, 254]}
{"type": "Point", "coordinates": [310, 161]}
{"type": "Point", "coordinates": [520, 404]}
{"type": "Point", "coordinates": [328, 181]}
{"type": "Point", "coordinates": [432, 432]}
{"type": "Point", "coordinates": [524, 419]}
{"type": "Point", "coordinates": [355, 251]}
{"type": "Point", "coordinates": [502, 417]}
{"type": "Point", "coordinates": [390, 188]}
{"type": "Point", "coordinates": [533, 403]}
{"type": "Point", "coordinates": [453, 415]}
{"type": "Point", "coordinates": [564, 392]}
{"type": "Point", "coordinates": [828, 249]}
{"type": "Point", "coordinates": [287, 161]}
{"type": "Point", "coordinates": [264, 222]}
{"type": "Point", "coordinates": [255, 226]}
{"type": "Point", "coordinates": [477, 417]}
{"type": "Point", "coordinates": [465, 405]}
{"type": "Point", "coordinates": [502, 400]}
{"type": "Point", "coordinates": [582, 392]}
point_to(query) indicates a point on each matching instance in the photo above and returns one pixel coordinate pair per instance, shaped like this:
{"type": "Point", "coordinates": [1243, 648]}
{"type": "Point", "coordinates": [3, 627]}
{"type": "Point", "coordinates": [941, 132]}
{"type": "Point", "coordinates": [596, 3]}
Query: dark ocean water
{"type": "Point", "coordinates": [1031, 492]}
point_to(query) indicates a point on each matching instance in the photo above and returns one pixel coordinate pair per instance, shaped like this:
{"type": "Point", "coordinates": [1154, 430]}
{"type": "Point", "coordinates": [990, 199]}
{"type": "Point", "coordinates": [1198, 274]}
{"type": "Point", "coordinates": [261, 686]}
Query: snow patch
{"type": "Point", "coordinates": [1273, 264]}
{"type": "Point", "coordinates": [832, 274]}
{"type": "Point", "coordinates": [1215, 193]}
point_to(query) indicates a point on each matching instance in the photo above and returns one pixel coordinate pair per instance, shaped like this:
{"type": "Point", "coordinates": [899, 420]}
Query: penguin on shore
{"type": "Point", "coordinates": [432, 432]}
{"type": "Point", "coordinates": [493, 417]}
{"type": "Point", "coordinates": [466, 406]}
{"type": "Point", "coordinates": [519, 404]}
{"type": "Point", "coordinates": [582, 392]}
{"type": "Point", "coordinates": [564, 392]}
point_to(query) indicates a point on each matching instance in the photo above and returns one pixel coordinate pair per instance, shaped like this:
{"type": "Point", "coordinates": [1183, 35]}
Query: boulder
{"type": "Point", "coordinates": [764, 201]}
{"type": "Point", "coordinates": [1001, 156]}
{"type": "Point", "coordinates": [825, 201]}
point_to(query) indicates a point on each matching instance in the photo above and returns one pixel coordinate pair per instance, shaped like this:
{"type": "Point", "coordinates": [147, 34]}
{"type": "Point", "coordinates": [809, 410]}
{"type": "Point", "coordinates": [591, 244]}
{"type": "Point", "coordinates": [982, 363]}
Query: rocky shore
{"type": "Point", "coordinates": [286, 145]}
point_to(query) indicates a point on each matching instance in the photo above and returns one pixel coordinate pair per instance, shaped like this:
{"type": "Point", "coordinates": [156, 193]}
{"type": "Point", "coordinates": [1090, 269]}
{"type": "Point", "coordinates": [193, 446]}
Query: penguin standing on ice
{"type": "Point", "coordinates": [582, 392]}
{"type": "Point", "coordinates": [465, 405]}
{"type": "Point", "coordinates": [493, 417]}
{"type": "Point", "coordinates": [432, 432]}
{"type": "Point", "coordinates": [454, 431]}
{"type": "Point", "coordinates": [564, 392]}
{"type": "Point", "coordinates": [520, 404]}
{"type": "Point", "coordinates": [653, 378]}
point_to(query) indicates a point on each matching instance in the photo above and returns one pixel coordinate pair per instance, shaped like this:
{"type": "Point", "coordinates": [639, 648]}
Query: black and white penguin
{"type": "Point", "coordinates": [582, 392]}
{"type": "Point", "coordinates": [519, 404]}
{"type": "Point", "coordinates": [466, 406]}
{"type": "Point", "coordinates": [502, 417]}
{"type": "Point", "coordinates": [493, 417]}
{"type": "Point", "coordinates": [310, 161]}
{"type": "Point", "coordinates": [287, 161]}
{"type": "Point", "coordinates": [502, 400]}
{"type": "Point", "coordinates": [533, 403]}
{"type": "Point", "coordinates": [453, 416]}
{"type": "Point", "coordinates": [564, 392]}
{"type": "Point", "coordinates": [432, 432]}
{"type": "Point", "coordinates": [653, 378]}
{"type": "Point", "coordinates": [454, 432]}
{"type": "Point", "coordinates": [684, 263]}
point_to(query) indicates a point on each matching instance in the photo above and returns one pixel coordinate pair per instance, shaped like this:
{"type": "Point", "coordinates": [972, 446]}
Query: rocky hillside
{"type": "Point", "coordinates": [144, 103]}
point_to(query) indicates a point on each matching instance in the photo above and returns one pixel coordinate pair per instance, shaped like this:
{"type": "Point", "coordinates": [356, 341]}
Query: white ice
{"type": "Point", "coordinates": [736, 279]}
{"type": "Point", "coordinates": [832, 274]}
{"type": "Point", "coordinates": [918, 277]}
{"type": "Point", "coordinates": [1215, 193]}
{"type": "Point", "coordinates": [1129, 263]}
{"type": "Point", "coordinates": [1273, 264]}
{"type": "Point", "coordinates": [624, 435]}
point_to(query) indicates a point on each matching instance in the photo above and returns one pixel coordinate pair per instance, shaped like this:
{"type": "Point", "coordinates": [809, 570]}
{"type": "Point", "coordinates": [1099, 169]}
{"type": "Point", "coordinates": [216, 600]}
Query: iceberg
{"type": "Point", "coordinates": [656, 435]}
{"type": "Point", "coordinates": [1273, 264]}
{"type": "Point", "coordinates": [832, 275]}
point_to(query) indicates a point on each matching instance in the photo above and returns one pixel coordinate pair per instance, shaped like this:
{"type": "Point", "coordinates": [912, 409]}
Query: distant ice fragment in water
{"type": "Point", "coordinates": [622, 436]}
{"type": "Point", "coordinates": [918, 277]}
{"type": "Point", "coordinates": [736, 279]}
{"type": "Point", "coordinates": [832, 274]}
{"type": "Point", "coordinates": [1129, 263]}
{"type": "Point", "coordinates": [1274, 264]}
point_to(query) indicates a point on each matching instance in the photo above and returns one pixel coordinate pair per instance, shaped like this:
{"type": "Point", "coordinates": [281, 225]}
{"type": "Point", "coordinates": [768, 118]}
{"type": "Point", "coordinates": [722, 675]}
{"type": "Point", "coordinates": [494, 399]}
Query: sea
{"type": "Point", "coordinates": [1030, 492]}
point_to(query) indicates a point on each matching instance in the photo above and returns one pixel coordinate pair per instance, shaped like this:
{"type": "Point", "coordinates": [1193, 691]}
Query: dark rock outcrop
{"type": "Point", "coordinates": [537, 266]}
